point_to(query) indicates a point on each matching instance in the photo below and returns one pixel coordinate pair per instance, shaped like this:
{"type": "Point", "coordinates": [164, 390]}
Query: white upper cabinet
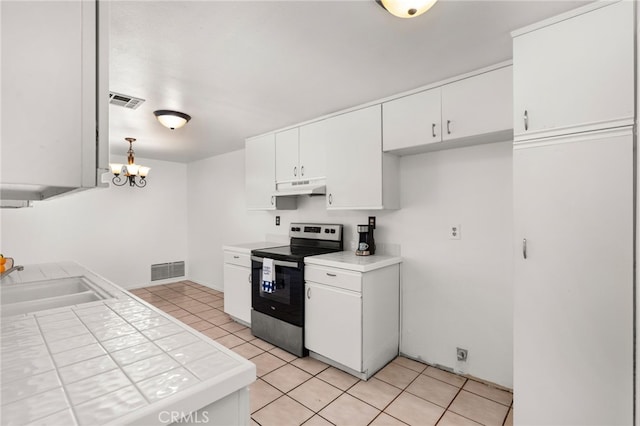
{"type": "Point", "coordinates": [287, 155]}
{"type": "Point", "coordinates": [300, 153]}
{"type": "Point", "coordinates": [472, 110]}
{"type": "Point", "coordinates": [412, 120]}
{"type": "Point", "coordinates": [260, 175]}
{"type": "Point", "coordinates": [313, 150]}
{"type": "Point", "coordinates": [573, 75]}
{"type": "Point", "coordinates": [54, 97]}
{"type": "Point", "coordinates": [478, 105]}
{"type": "Point", "coordinates": [359, 175]}
{"type": "Point", "coordinates": [260, 163]}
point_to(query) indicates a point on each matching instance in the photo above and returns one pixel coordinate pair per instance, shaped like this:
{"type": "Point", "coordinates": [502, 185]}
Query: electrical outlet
{"type": "Point", "coordinates": [277, 220]}
{"type": "Point", "coordinates": [462, 354]}
{"type": "Point", "coordinates": [372, 222]}
{"type": "Point", "coordinates": [455, 232]}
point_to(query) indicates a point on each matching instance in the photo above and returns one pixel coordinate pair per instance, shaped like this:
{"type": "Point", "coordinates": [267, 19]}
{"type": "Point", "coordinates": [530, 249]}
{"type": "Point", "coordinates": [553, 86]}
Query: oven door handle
{"type": "Point", "coordinates": [277, 262]}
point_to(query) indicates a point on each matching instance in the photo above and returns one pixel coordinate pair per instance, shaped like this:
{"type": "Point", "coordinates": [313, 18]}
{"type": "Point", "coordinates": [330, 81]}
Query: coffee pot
{"type": "Point", "coordinates": [366, 243]}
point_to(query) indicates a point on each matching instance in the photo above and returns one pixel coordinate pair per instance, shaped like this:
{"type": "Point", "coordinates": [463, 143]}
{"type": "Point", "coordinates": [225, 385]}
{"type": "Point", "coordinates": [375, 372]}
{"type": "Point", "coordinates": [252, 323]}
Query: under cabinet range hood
{"type": "Point", "coordinates": [301, 187]}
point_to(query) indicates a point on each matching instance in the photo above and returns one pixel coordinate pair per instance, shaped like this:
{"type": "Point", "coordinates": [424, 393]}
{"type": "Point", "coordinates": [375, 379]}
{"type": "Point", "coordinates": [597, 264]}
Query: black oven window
{"type": "Point", "coordinates": [282, 291]}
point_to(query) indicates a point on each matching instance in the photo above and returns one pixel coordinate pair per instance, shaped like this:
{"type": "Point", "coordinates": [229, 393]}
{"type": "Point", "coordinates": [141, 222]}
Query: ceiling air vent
{"type": "Point", "coordinates": [124, 100]}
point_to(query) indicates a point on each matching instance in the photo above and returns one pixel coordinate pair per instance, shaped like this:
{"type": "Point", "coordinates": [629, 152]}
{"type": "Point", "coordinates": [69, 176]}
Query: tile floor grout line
{"type": "Point", "coordinates": [446, 410]}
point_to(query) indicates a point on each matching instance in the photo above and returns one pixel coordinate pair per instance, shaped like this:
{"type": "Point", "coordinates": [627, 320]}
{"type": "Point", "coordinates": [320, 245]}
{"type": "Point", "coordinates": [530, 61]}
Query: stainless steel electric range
{"type": "Point", "coordinates": [278, 308]}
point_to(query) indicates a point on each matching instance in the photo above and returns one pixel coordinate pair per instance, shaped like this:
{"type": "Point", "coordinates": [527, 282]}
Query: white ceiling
{"type": "Point", "coordinates": [241, 68]}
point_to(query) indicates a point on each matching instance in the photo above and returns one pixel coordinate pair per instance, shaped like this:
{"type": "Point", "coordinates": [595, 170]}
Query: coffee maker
{"type": "Point", "coordinates": [366, 243]}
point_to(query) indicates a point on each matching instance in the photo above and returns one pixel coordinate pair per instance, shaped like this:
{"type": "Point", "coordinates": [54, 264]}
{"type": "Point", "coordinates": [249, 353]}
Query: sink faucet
{"type": "Point", "coordinates": [10, 270]}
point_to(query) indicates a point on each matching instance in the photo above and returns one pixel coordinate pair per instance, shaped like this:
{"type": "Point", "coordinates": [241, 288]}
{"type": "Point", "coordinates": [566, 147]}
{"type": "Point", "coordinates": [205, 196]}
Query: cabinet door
{"type": "Point", "coordinates": [478, 105]}
{"type": "Point", "coordinates": [287, 155]}
{"type": "Point", "coordinates": [48, 92]}
{"type": "Point", "coordinates": [313, 150]}
{"type": "Point", "coordinates": [576, 73]}
{"type": "Point", "coordinates": [260, 172]}
{"type": "Point", "coordinates": [354, 160]}
{"type": "Point", "coordinates": [333, 324]}
{"type": "Point", "coordinates": [412, 120]}
{"type": "Point", "coordinates": [573, 294]}
{"type": "Point", "coordinates": [237, 292]}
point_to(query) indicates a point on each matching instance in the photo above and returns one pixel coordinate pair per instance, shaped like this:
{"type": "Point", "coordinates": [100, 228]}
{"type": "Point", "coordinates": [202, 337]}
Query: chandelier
{"type": "Point", "coordinates": [124, 173]}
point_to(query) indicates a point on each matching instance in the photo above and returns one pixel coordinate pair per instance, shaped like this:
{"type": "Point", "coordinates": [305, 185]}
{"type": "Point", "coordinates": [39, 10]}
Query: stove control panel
{"type": "Point", "coordinates": [316, 231]}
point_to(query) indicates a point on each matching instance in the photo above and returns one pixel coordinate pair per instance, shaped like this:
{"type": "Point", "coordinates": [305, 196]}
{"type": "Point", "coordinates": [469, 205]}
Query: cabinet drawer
{"type": "Point", "coordinates": [237, 258]}
{"type": "Point", "coordinates": [334, 277]}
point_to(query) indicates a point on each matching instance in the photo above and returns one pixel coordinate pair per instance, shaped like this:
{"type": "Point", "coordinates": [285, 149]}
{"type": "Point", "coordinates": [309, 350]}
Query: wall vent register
{"type": "Point", "coordinates": [163, 271]}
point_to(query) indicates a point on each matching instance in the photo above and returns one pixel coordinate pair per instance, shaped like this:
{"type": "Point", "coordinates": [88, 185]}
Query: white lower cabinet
{"type": "Point", "coordinates": [237, 286]}
{"type": "Point", "coordinates": [337, 336]}
{"type": "Point", "coordinates": [352, 318]}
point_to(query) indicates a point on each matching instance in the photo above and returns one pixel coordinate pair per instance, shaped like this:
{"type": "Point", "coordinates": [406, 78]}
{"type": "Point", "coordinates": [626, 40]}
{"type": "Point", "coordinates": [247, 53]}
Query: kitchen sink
{"type": "Point", "coordinates": [22, 298]}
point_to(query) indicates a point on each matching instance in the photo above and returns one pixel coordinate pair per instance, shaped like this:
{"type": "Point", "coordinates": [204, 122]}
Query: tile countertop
{"type": "Point", "coordinates": [113, 361]}
{"type": "Point", "coordinates": [246, 248]}
{"type": "Point", "coordinates": [349, 260]}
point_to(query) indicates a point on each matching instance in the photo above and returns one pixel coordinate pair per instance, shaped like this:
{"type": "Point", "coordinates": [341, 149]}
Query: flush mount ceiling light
{"type": "Point", "coordinates": [172, 119]}
{"type": "Point", "coordinates": [130, 171]}
{"type": "Point", "coordinates": [406, 8]}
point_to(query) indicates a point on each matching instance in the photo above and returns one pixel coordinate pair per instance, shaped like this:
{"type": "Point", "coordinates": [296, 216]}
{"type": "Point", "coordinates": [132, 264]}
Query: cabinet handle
{"type": "Point", "coordinates": [273, 199]}
{"type": "Point", "coordinates": [331, 275]}
{"type": "Point", "coordinates": [330, 199]}
{"type": "Point", "coordinates": [526, 120]}
{"type": "Point", "coordinates": [309, 293]}
{"type": "Point", "coordinates": [524, 248]}
{"type": "Point", "coordinates": [295, 171]}
{"type": "Point", "coordinates": [433, 130]}
{"type": "Point", "coordinates": [249, 278]}
{"type": "Point", "coordinates": [236, 257]}
{"type": "Point", "coordinates": [301, 170]}
{"type": "Point", "coordinates": [449, 127]}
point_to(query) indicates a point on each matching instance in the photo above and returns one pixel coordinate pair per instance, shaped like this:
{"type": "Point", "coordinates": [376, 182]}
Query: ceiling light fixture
{"type": "Point", "coordinates": [172, 119]}
{"type": "Point", "coordinates": [406, 8]}
{"type": "Point", "coordinates": [130, 170]}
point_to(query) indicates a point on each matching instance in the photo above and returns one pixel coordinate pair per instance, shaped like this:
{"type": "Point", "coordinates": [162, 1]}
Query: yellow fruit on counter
{"type": "Point", "coordinates": [3, 260]}
{"type": "Point", "coordinates": [2, 268]}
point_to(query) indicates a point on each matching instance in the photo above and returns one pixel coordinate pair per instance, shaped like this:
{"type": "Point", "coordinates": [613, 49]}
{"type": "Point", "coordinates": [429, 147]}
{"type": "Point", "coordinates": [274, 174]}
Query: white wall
{"type": "Point", "coordinates": [117, 232]}
{"type": "Point", "coordinates": [218, 215]}
{"type": "Point", "coordinates": [457, 293]}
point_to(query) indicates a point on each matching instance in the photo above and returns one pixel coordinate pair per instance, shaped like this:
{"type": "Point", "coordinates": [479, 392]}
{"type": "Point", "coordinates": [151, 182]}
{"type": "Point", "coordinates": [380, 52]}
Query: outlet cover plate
{"type": "Point", "coordinates": [455, 232]}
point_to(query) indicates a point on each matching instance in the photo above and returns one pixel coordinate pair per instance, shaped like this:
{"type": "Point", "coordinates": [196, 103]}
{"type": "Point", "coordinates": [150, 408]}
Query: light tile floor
{"type": "Point", "coordinates": [296, 391]}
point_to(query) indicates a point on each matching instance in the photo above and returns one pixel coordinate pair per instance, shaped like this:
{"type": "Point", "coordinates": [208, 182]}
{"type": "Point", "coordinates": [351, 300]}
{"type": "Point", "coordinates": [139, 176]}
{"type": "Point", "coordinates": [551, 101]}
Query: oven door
{"type": "Point", "coordinates": [286, 302]}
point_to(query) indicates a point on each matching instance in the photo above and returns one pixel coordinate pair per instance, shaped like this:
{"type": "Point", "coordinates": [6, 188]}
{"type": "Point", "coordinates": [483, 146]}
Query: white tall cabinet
{"type": "Point", "coordinates": [573, 307]}
{"type": "Point", "coordinates": [573, 173]}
